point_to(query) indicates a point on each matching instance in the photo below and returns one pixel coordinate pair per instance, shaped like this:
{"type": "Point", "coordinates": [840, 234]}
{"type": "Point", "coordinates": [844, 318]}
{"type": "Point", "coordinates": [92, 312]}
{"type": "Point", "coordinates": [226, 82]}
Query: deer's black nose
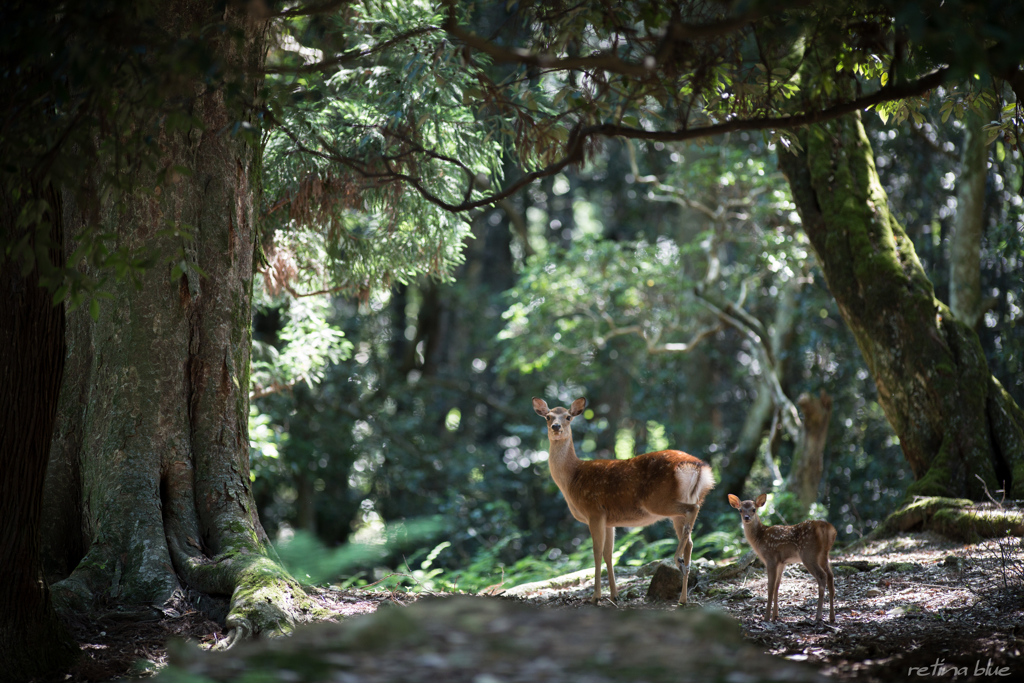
{"type": "Point", "coordinates": [556, 427]}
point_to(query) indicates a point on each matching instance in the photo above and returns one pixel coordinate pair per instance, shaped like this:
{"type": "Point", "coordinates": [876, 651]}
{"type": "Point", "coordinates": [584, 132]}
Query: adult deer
{"type": "Point", "coordinates": [604, 494]}
{"type": "Point", "coordinates": [810, 542]}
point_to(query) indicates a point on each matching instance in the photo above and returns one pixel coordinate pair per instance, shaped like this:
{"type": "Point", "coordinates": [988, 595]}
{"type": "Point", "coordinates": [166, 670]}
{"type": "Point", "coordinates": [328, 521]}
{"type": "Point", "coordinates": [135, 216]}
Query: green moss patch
{"type": "Point", "coordinates": [958, 518]}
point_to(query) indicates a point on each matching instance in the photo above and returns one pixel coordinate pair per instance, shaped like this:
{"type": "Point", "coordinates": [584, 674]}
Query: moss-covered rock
{"type": "Point", "coordinates": [913, 515]}
{"type": "Point", "coordinates": [958, 518]}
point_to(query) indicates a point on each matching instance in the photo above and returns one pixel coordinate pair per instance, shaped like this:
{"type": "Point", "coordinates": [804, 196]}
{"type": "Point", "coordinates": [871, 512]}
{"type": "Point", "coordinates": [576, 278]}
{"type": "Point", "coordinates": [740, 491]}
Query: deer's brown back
{"type": "Point", "coordinates": [620, 487]}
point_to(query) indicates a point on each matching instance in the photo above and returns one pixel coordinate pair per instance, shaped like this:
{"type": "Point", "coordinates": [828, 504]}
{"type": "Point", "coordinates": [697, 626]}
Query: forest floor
{"type": "Point", "coordinates": [913, 605]}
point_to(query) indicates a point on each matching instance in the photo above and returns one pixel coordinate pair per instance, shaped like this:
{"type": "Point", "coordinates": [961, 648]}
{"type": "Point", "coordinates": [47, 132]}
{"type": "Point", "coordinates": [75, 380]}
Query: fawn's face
{"type": "Point", "coordinates": [748, 508]}
{"type": "Point", "coordinates": [558, 419]}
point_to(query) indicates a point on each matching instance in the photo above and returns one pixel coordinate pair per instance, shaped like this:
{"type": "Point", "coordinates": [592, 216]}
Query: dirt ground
{"type": "Point", "coordinates": [912, 606]}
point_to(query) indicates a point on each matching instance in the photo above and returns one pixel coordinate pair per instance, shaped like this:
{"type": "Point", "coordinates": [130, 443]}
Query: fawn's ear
{"type": "Point", "coordinates": [577, 406]}
{"type": "Point", "coordinates": [540, 407]}
{"type": "Point", "coordinates": [734, 501]}
{"type": "Point", "coordinates": [761, 500]}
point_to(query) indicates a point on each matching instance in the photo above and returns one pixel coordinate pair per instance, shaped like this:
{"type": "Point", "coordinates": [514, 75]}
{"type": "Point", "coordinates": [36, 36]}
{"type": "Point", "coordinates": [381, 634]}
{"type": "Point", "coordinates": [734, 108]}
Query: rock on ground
{"type": "Point", "coordinates": [488, 640]}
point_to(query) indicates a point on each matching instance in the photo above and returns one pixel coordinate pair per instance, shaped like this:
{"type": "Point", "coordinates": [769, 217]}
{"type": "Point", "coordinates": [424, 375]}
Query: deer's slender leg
{"type": "Point", "coordinates": [609, 547]}
{"type": "Point", "coordinates": [683, 527]}
{"type": "Point", "coordinates": [597, 533]}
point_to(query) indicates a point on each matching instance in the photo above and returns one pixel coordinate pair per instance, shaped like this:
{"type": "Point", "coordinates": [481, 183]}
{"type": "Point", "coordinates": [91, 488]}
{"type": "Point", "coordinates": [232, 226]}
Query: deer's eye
{"type": "Point", "coordinates": [568, 418]}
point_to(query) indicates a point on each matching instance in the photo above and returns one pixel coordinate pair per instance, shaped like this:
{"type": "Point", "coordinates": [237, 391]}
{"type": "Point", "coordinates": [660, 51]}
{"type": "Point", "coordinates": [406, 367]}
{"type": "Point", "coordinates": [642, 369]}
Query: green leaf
{"type": "Point", "coordinates": [61, 292]}
{"type": "Point", "coordinates": [94, 309]}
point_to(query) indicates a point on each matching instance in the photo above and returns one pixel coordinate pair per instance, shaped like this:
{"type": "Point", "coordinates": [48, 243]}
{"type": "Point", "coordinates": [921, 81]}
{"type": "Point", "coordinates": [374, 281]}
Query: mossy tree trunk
{"type": "Point", "coordinates": [953, 418]}
{"type": "Point", "coordinates": [33, 642]}
{"type": "Point", "coordinates": [150, 463]}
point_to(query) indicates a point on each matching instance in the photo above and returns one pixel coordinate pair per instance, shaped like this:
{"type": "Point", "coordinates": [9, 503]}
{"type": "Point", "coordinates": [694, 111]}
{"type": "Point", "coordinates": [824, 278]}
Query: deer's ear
{"type": "Point", "coordinates": [577, 406]}
{"type": "Point", "coordinates": [734, 501]}
{"type": "Point", "coordinates": [540, 407]}
{"type": "Point", "coordinates": [761, 500]}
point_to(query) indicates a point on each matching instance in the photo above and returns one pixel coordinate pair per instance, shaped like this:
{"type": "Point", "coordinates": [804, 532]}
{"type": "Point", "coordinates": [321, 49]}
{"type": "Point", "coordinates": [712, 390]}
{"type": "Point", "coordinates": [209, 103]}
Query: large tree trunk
{"type": "Point", "coordinates": [153, 429]}
{"type": "Point", "coordinates": [33, 642]}
{"type": "Point", "coordinates": [953, 419]}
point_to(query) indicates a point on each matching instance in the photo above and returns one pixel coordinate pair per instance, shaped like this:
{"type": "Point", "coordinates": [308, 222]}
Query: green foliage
{"type": "Point", "coordinates": [487, 570]}
{"type": "Point", "coordinates": [311, 562]}
{"type": "Point", "coordinates": [265, 443]}
{"type": "Point", "coordinates": [593, 291]}
{"type": "Point", "coordinates": [364, 156]}
{"type": "Point", "coordinates": [308, 342]}
{"type": "Point", "coordinates": [568, 306]}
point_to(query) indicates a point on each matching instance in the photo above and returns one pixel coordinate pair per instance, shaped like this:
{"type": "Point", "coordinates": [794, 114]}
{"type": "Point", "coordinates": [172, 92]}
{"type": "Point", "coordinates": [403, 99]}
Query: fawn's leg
{"type": "Point", "coordinates": [819, 567]}
{"type": "Point", "coordinates": [774, 573]}
{"type": "Point", "coordinates": [597, 529]}
{"type": "Point", "coordinates": [818, 573]}
{"type": "Point", "coordinates": [609, 547]}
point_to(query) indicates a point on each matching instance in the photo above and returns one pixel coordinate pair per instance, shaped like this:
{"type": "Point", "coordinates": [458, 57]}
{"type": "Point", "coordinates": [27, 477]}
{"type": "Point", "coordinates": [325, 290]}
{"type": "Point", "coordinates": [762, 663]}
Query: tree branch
{"type": "Point", "coordinates": [579, 136]}
{"type": "Point", "coordinates": [350, 57]}
{"type": "Point", "coordinates": [790, 415]}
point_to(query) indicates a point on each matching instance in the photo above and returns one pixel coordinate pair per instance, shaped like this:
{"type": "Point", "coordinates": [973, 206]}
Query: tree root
{"type": "Point", "coordinates": [959, 519]}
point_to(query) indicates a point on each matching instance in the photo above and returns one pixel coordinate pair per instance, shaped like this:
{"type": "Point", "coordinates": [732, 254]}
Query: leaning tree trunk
{"type": "Point", "coordinates": [33, 642]}
{"type": "Point", "coordinates": [965, 243]}
{"type": "Point", "coordinates": [153, 432]}
{"type": "Point", "coordinates": [953, 418]}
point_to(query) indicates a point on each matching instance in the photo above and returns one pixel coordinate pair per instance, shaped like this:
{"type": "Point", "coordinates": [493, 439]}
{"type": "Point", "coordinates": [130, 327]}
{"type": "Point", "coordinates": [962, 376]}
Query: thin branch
{"type": "Point", "coordinates": [675, 347]}
{"type": "Point", "coordinates": [790, 414]}
{"type": "Point", "coordinates": [578, 137]}
{"type": "Point", "coordinates": [350, 57]}
{"type": "Point", "coordinates": [574, 149]}
{"type": "Point", "coordinates": [306, 11]}
{"type": "Point", "coordinates": [894, 92]}
{"type": "Point", "coordinates": [676, 195]}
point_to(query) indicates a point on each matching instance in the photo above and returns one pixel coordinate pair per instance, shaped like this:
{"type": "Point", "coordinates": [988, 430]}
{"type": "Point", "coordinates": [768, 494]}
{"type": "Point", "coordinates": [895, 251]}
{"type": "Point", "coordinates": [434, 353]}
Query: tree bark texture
{"type": "Point", "coordinates": [965, 243]}
{"type": "Point", "coordinates": [808, 463]}
{"type": "Point", "coordinates": [153, 432]}
{"type": "Point", "coordinates": [953, 419]}
{"type": "Point", "coordinates": [33, 642]}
